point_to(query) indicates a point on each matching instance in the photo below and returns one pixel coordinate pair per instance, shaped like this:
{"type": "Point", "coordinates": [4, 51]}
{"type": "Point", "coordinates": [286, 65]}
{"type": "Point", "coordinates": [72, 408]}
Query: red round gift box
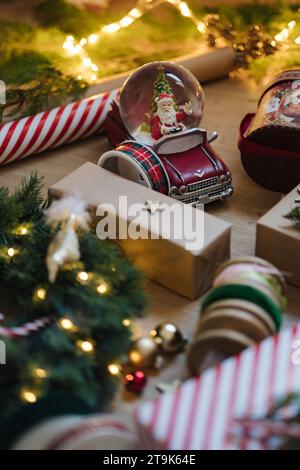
{"type": "Point", "coordinates": [270, 139]}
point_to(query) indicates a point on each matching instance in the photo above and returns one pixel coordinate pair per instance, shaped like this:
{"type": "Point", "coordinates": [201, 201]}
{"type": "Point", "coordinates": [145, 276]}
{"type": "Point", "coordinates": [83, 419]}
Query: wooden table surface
{"type": "Point", "coordinates": [227, 101]}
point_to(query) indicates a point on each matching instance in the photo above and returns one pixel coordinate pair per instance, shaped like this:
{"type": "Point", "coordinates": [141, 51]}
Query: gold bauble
{"type": "Point", "coordinates": [168, 337]}
{"type": "Point", "coordinates": [143, 352]}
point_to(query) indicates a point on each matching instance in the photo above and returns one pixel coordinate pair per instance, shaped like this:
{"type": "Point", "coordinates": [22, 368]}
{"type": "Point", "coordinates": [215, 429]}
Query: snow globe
{"type": "Point", "coordinates": [160, 99]}
{"type": "Point", "coordinates": [153, 128]}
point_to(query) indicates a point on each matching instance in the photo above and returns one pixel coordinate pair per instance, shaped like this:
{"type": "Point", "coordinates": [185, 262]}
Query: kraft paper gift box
{"type": "Point", "coordinates": [278, 240]}
{"type": "Point", "coordinates": [202, 414]}
{"type": "Point", "coordinates": [183, 267]}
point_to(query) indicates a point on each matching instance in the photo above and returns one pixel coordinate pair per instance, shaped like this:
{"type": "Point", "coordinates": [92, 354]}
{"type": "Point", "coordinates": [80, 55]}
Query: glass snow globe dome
{"type": "Point", "coordinates": [160, 99]}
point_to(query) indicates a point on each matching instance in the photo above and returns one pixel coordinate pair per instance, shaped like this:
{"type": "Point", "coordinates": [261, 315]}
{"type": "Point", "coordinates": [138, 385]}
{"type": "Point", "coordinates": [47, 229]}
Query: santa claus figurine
{"type": "Point", "coordinates": [168, 119]}
{"type": "Point", "coordinates": [291, 105]}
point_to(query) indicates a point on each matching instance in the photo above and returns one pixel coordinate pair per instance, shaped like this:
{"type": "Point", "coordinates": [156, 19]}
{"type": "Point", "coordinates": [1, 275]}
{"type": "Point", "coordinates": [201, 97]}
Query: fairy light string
{"type": "Point", "coordinates": [31, 392]}
{"type": "Point", "coordinates": [90, 69]}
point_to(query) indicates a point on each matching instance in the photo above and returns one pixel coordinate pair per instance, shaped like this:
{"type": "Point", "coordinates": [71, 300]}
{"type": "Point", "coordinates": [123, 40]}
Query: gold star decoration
{"type": "Point", "coordinates": [153, 206]}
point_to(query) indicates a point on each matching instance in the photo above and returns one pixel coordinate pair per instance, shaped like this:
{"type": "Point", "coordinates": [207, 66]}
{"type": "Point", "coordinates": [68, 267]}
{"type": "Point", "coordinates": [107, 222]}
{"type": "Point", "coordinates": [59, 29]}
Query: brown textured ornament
{"type": "Point", "coordinates": [168, 337]}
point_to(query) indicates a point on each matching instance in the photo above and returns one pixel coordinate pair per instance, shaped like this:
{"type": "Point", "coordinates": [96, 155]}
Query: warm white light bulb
{"type": "Point", "coordinates": [111, 28]}
{"type": "Point", "coordinates": [126, 21]}
{"type": "Point", "coordinates": [87, 62]}
{"type": "Point", "coordinates": [102, 288]}
{"type": "Point", "coordinates": [93, 38]}
{"type": "Point", "coordinates": [184, 9]}
{"type": "Point", "coordinates": [41, 293]}
{"type": "Point", "coordinates": [11, 252]}
{"type": "Point", "coordinates": [40, 373]}
{"type": "Point", "coordinates": [86, 346]}
{"type": "Point", "coordinates": [135, 13]}
{"type": "Point", "coordinates": [201, 27]}
{"type": "Point", "coordinates": [83, 276]}
{"type": "Point", "coordinates": [28, 396]}
{"type": "Point", "coordinates": [114, 369]}
{"type": "Point", "coordinates": [292, 24]}
{"type": "Point", "coordinates": [283, 35]}
{"type": "Point", "coordinates": [66, 323]}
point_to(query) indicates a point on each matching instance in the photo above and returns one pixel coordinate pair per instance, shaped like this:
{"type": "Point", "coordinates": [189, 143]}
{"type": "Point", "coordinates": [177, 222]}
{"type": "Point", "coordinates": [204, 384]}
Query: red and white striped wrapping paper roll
{"type": "Point", "coordinates": [23, 330]}
{"type": "Point", "coordinates": [100, 432]}
{"type": "Point", "coordinates": [50, 129]}
{"type": "Point", "coordinates": [78, 432]}
{"type": "Point", "coordinates": [200, 414]}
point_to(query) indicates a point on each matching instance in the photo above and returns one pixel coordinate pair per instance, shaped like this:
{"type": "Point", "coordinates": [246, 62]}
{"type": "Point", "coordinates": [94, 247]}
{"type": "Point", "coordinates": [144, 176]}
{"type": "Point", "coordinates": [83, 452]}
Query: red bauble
{"type": "Point", "coordinates": [135, 381]}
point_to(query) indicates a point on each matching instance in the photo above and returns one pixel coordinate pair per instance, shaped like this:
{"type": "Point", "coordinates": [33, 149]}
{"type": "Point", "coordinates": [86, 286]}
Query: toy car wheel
{"type": "Point", "coordinates": [137, 162]}
{"type": "Point", "coordinates": [125, 166]}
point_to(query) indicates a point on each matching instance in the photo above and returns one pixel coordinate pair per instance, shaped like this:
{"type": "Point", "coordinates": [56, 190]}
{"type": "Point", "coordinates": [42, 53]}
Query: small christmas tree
{"type": "Point", "coordinates": [65, 332]}
{"type": "Point", "coordinates": [161, 85]}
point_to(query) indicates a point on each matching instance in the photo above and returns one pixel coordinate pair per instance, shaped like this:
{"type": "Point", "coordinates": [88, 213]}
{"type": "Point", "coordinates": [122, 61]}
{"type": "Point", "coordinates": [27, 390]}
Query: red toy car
{"type": "Point", "coordinates": [176, 160]}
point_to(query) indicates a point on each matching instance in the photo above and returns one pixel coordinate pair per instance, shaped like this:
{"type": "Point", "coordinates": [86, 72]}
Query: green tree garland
{"type": "Point", "coordinates": [53, 360]}
{"type": "Point", "coordinates": [39, 75]}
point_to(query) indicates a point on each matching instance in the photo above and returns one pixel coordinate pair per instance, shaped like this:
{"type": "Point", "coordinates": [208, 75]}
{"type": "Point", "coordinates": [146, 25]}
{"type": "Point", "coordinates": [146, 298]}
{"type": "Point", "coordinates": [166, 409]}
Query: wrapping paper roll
{"type": "Point", "coordinates": [205, 64]}
{"type": "Point", "coordinates": [71, 432]}
{"type": "Point", "coordinates": [23, 330]}
{"type": "Point", "coordinates": [50, 129]}
{"type": "Point", "coordinates": [202, 413]}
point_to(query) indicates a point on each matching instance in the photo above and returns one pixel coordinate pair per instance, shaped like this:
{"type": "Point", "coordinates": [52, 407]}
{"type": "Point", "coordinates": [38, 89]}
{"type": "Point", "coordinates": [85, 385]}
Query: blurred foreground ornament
{"type": "Point", "coordinates": [135, 381]}
{"type": "Point", "coordinates": [144, 352]}
{"type": "Point", "coordinates": [70, 214]}
{"type": "Point", "coordinates": [148, 351]}
{"type": "Point", "coordinates": [169, 338]}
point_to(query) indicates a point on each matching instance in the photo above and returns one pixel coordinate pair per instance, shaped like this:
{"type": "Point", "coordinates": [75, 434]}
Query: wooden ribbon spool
{"type": "Point", "coordinates": [237, 313]}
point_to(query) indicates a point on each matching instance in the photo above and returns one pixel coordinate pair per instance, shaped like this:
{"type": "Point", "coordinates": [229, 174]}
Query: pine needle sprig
{"type": "Point", "coordinates": [294, 216]}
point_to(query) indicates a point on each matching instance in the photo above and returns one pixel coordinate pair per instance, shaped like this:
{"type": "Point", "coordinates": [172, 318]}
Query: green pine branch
{"type": "Point", "coordinates": [294, 216]}
{"type": "Point", "coordinates": [40, 76]}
